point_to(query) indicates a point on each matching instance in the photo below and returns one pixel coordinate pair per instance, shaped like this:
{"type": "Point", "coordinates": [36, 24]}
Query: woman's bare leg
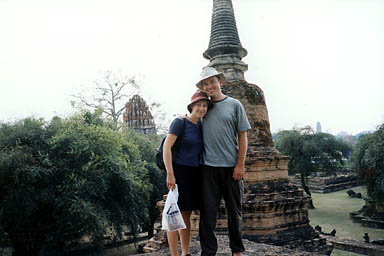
{"type": "Point", "coordinates": [185, 234]}
{"type": "Point", "coordinates": [172, 242]}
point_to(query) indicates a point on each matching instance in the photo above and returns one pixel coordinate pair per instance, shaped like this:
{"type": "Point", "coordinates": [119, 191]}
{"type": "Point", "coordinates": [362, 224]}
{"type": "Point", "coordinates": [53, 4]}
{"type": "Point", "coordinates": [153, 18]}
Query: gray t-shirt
{"type": "Point", "coordinates": [220, 128]}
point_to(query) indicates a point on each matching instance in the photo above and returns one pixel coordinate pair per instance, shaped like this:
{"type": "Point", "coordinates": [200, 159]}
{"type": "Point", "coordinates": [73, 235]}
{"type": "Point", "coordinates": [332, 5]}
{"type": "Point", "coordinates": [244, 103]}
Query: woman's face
{"type": "Point", "coordinates": [199, 108]}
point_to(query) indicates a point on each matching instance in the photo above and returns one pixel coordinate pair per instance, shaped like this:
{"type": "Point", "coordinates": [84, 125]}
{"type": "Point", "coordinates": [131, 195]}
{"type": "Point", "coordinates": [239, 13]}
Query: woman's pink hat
{"type": "Point", "coordinates": [199, 95]}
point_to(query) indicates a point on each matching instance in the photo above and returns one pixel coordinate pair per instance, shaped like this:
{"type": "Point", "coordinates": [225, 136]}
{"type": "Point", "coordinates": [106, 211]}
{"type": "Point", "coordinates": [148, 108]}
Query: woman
{"type": "Point", "coordinates": [183, 166]}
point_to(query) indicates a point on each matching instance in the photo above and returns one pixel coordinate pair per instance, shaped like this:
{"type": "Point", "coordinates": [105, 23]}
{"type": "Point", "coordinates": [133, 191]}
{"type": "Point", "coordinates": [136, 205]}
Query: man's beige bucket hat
{"type": "Point", "coordinates": [208, 72]}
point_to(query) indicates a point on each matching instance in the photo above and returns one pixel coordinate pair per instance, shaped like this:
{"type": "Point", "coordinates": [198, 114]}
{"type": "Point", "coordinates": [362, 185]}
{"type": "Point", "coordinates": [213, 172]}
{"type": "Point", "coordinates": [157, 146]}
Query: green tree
{"type": "Point", "coordinates": [67, 180]}
{"type": "Point", "coordinates": [153, 178]}
{"type": "Point", "coordinates": [368, 160]}
{"type": "Point", "coordinates": [311, 152]}
{"type": "Point", "coordinates": [147, 145]}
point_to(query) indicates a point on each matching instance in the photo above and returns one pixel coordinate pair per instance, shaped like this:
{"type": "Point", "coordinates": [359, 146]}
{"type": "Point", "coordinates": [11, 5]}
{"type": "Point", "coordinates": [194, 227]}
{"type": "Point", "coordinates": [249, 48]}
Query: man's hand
{"type": "Point", "coordinates": [238, 172]}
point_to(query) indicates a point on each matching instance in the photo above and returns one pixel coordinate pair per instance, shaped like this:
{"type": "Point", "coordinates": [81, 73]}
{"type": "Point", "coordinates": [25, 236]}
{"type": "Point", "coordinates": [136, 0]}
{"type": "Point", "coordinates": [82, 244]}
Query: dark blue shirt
{"type": "Point", "coordinates": [191, 145]}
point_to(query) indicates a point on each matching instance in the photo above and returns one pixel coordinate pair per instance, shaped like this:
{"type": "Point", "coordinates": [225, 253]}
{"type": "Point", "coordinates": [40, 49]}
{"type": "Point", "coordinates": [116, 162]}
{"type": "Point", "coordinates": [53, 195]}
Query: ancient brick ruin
{"type": "Point", "coordinates": [138, 117]}
{"type": "Point", "coordinates": [371, 215]}
{"type": "Point", "coordinates": [328, 184]}
{"type": "Point", "coordinates": [360, 247]}
{"type": "Point", "coordinates": [275, 211]}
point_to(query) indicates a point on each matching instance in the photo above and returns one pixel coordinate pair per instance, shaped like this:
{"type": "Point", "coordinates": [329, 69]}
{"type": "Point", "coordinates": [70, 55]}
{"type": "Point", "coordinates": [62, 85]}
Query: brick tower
{"type": "Point", "coordinates": [274, 210]}
{"type": "Point", "coordinates": [138, 117]}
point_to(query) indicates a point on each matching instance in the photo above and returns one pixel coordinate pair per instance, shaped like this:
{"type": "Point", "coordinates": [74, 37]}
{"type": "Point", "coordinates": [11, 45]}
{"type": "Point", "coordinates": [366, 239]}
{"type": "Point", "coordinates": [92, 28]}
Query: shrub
{"type": "Point", "coordinates": [69, 181]}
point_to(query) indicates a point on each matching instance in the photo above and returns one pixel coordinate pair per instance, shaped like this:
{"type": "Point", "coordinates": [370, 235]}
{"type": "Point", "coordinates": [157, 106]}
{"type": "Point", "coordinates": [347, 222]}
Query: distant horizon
{"type": "Point", "coordinates": [48, 119]}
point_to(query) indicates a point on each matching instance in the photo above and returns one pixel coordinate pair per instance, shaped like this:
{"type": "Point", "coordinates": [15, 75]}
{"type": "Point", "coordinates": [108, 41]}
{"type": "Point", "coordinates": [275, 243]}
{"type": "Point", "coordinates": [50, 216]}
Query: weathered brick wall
{"type": "Point", "coordinates": [253, 100]}
{"type": "Point", "coordinates": [329, 183]}
{"type": "Point", "coordinates": [370, 215]}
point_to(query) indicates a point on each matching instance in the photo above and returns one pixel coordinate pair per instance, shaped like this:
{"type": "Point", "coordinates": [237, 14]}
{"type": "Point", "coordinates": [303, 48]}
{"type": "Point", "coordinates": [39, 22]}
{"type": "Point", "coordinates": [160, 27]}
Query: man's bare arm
{"type": "Point", "coordinates": [238, 172]}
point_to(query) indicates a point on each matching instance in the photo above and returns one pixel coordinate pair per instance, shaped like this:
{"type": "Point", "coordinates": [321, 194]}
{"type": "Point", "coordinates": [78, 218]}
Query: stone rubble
{"type": "Point", "coordinates": [252, 249]}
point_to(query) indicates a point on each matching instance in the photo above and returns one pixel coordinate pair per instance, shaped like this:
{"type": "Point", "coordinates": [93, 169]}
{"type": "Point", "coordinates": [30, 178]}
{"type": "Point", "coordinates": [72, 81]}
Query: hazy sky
{"type": "Point", "coordinates": [316, 60]}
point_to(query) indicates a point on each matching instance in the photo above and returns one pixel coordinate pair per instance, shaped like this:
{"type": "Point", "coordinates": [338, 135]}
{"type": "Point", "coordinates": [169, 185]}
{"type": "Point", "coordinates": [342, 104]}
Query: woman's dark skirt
{"type": "Point", "coordinates": [188, 180]}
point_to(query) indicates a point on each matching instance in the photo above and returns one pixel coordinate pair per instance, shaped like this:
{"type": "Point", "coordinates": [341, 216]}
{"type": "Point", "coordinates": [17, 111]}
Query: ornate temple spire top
{"type": "Point", "coordinates": [224, 36]}
{"type": "Point", "coordinates": [225, 51]}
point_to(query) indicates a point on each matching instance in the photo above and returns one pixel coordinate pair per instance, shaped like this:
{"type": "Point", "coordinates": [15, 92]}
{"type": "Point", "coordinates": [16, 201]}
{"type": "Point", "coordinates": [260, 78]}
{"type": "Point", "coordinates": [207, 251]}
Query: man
{"type": "Point", "coordinates": [225, 144]}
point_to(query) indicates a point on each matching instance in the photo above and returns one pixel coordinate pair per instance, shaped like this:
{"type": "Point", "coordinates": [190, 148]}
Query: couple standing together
{"type": "Point", "coordinates": [203, 181]}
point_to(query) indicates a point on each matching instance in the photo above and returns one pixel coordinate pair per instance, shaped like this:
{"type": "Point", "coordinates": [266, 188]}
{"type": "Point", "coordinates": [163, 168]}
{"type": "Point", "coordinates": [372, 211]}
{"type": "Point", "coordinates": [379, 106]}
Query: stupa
{"type": "Point", "coordinates": [318, 127]}
{"type": "Point", "coordinates": [138, 117]}
{"type": "Point", "coordinates": [275, 211]}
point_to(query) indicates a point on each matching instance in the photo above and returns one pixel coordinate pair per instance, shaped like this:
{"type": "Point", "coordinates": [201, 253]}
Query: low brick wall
{"type": "Point", "coordinates": [355, 246]}
{"type": "Point", "coordinates": [328, 184]}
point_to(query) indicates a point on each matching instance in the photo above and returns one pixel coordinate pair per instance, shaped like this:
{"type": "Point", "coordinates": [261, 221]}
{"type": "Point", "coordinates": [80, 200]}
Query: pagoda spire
{"type": "Point", "coordinates": [225, 50]}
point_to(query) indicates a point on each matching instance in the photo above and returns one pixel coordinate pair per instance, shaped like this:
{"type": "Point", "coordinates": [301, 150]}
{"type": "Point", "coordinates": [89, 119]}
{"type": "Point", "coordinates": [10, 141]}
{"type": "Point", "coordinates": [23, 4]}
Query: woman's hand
{"type": "Point", "coordinates": [171, 181]}
{"type": "Point", "coordinates": [167, 156]}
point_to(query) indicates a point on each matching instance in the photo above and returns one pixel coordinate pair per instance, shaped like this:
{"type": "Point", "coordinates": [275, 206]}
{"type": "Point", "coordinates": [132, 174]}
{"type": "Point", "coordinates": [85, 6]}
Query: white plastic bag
{"type": "Point", "coordinates": [172, 219]}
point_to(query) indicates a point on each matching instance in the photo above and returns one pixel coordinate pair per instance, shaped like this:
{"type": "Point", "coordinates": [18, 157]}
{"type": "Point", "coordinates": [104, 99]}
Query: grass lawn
{"type": "Point", "coordinates": [332, 212]}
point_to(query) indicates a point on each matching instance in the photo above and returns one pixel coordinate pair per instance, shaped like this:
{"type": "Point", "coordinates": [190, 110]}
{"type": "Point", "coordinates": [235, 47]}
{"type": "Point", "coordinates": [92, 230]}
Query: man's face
{"type": "Point", "coordinates": [211, 86]}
